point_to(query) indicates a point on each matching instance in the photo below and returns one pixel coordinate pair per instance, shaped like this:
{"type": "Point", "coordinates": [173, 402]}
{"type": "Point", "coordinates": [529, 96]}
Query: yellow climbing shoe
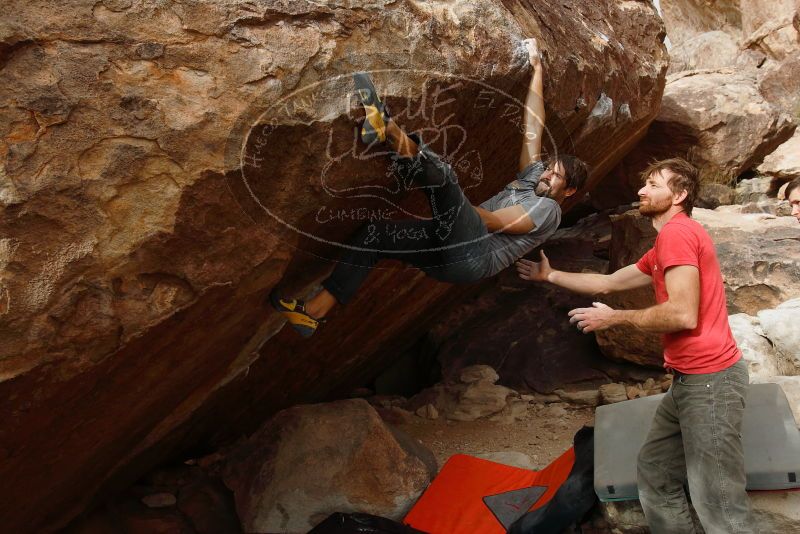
{"type": "Point", "coordinates": [295, 313]}
{"type": "Point", "coordinates": [374, 127]}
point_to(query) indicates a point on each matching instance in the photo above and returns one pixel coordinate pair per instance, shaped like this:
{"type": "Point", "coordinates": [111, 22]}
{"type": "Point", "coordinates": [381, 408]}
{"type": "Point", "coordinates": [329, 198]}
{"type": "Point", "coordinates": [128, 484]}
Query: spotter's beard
{"type": "Point", "coordinates": [652, 209]}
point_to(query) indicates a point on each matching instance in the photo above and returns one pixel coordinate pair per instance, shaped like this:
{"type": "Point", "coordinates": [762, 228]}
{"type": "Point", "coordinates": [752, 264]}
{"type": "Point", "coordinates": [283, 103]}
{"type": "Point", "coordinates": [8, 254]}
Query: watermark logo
{"type": "Point", "coordinates": [300, 162]}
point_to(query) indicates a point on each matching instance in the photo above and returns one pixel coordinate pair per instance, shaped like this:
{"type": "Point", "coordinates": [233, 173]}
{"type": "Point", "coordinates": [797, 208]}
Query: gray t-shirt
{"type": "Point", "coordinates": [545, 213]}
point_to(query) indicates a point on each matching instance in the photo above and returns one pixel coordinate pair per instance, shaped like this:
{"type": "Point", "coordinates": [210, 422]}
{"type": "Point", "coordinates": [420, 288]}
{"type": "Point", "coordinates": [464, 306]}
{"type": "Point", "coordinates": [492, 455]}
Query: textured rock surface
{"type": "Point", "coordinates": [311, 461]}
{"type": "Point", "coordinates": [132, 262]}
{"type": "Point", "coordinates": [474, 395]}
{"type": "Point", "coordinates": [204, 506]}
{"type": "Point", "coordinates": [769, 207]}
{"type": "Point", "coordinates": [686, 19]}
{"type": "Point", "coordinates": [713, 195]}
{"type": "Point", "coordinates": [780, 325]}
{"type": "Point", "coordinates": [755, 189]}
{"type": "Point", "coordinates": [763, 25]}
{"type": "Point", "coordinates": [777, 81]}
{"type": "Point", "coordinates": [770, 26]}
{"type": "Point", "coordinates": [758, 256]}
{"type": "Point", "coordinates": [767, 33]}
{"type": "Point", "coordinates": [611, 393]}
{"type": "Point", "coordinates": [762, 362]}
{"type": "Point", "coordinates": [783, 163]}
{"type": "Point", "coordinates": [774, 512]}
{"type": "Point", "coordinates": [717, 119]}
{"type": "Point", "coordinates": [709, 50]}
{"type": "Point", "coordinates": [730, 123]}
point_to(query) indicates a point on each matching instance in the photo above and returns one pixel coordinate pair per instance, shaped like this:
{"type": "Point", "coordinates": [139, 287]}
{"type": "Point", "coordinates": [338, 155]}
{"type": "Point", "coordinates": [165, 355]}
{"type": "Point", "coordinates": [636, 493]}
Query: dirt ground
{"type": "Point", "coordinates": [543, 433]}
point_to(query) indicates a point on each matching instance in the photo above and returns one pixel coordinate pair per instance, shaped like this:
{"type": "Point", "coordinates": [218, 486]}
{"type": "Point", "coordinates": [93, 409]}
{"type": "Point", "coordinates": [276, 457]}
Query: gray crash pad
{"type": "Point", "coordinates": [770, 438]}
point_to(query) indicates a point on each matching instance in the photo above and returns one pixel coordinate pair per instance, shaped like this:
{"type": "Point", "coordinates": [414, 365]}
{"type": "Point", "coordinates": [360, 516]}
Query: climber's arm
{"type": "Point", "coordinates": [510, 220]}
{"type": "Point", "coordinates": [534, 110]}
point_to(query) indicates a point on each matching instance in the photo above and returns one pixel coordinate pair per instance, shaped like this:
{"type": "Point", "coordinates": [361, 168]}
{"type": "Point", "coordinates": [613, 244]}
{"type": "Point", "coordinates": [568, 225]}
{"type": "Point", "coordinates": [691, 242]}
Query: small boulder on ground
{"type": "Point", "coordinates": [478, 373]}
{"type": "Point", "coordinates": [611, 393]}
{"type": "Point", "coordinates": [635, 392]}
{"type": "Point", "coordinates": [480, 399]}
{"type": "Point", "coordinates": [428, 411]}
{"type": "Point", "coordinates": [474, 396]}
{"type": "Point", "coordinates": [159, 500]}
{"type": "Point", "coordinates": [586, 397]}
{"type": "Point", "coordinates": [514, 410]}
{"type": "Point", "coordinates": [666, 383]}
{"type": "Point", "coordinates": [309, 461]}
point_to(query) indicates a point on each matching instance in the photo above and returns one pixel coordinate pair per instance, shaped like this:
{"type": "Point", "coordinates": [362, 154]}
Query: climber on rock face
{"type": "Point", "coordinates": [793, 196]}
{"type": "Point", "coordinates": [460, 243]}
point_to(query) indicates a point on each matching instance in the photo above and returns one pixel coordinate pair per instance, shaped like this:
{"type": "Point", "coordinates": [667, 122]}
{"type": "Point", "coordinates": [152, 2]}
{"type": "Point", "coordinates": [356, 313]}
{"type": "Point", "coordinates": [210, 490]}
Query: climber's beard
{"type": "Point", "coordinates": [542, 189]}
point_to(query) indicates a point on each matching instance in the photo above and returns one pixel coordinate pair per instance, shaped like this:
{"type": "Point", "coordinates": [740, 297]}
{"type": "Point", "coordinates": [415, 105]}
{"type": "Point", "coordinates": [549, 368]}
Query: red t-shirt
{"type": "Point", "coordinates": [710, 347]}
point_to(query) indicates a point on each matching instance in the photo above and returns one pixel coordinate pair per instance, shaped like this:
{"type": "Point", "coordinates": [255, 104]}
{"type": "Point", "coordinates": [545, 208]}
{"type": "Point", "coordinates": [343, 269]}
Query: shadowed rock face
{"type": "Point", "coordinates": [144, 219]}
{"type": "Point", "coordinates": [521, 328]}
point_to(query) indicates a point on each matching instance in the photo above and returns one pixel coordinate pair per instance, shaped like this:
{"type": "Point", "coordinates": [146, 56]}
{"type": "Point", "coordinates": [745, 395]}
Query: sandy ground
{"type": "Point", "coordinates": [543, 433]}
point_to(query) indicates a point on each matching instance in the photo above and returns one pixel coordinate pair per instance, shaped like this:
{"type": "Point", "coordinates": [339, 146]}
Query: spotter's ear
{"type": "Point", "coordinates": [680, 198]}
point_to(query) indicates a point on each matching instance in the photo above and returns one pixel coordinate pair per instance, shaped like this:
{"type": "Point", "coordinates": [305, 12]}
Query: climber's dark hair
{"type": "Point", "coordinates": [575, 170]}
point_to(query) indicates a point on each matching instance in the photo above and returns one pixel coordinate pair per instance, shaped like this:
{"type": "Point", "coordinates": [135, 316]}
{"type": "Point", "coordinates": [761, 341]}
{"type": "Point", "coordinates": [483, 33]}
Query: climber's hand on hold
{"type": "Point", "coordinates": [534, 55]}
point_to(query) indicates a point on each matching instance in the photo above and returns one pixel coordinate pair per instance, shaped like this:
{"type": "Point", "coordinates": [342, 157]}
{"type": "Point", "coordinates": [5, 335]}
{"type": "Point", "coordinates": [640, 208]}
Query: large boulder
{"type": "Point", "coordinates": [784, 163]}
{"type": "Point", "coordinates": [710, 50]}
{"type": "Point", "coordinates": [767, 26]}
{"type": "Point", "coordinates": [729, 123]}
{"type": "Point", "coordinates": [777, 81]}
{"type": "Point", "coordinates": [685, 19]}
{"type": "Point", "coordinates": [766, 34]}
{"type": "Point", "coordinates": [310, 461]}
{"type": "Point", "coordinates": [717, 119]}
{"type": "Point", "coordinates": [758, 258]}
{"type": "Point", "coordinates": [135, 257]}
